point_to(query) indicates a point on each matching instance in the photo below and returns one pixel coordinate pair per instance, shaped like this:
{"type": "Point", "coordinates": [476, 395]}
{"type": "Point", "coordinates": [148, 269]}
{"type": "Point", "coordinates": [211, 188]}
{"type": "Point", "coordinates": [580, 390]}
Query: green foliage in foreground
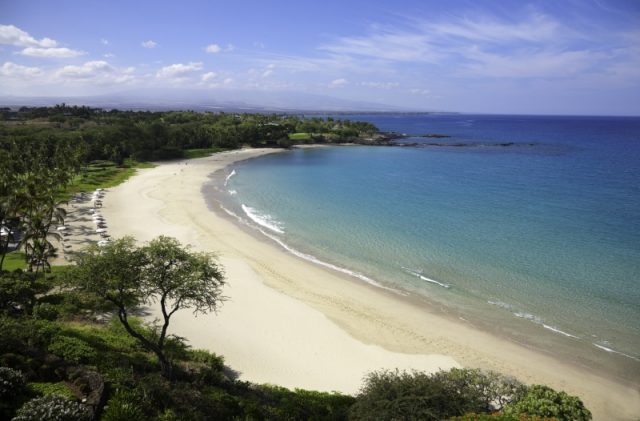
{"type": "Point", "coordinates": [50, 344]}
{"type": "Point", "coordinates": [543, 401]}
{"type": "Point", "coordinates": [53, 408]}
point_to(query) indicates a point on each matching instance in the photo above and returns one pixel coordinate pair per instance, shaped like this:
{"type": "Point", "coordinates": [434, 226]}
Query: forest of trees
{"type": "Point", "coordinates": [143, 135]}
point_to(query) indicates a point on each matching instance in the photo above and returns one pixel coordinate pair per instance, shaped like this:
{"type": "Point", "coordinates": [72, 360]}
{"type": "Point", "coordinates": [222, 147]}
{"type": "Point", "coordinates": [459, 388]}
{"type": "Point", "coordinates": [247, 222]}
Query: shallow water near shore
{"type": "Point", "coordinates": [539, 240]}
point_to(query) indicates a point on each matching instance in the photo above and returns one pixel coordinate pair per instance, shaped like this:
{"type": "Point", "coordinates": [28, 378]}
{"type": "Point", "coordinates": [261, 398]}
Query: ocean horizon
{"type": "Point", "coordinates": [528, 226]}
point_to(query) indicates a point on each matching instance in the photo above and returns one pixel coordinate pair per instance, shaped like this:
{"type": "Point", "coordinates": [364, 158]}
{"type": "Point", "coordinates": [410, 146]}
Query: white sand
{"type": "Point", "coordinates": [293, 323]}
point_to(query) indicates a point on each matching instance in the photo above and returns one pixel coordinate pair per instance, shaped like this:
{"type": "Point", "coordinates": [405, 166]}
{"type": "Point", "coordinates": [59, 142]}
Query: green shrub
{"type": "Point", "coordinates": [12, 383]}
{"type": "Point", "coordinates": [18, 290]}
{"type": "Point", "coordinates": [12, 391]}
{"type": "Point", "coordinates": [44, 389]}
{"type": "Point", "coordinates": [72, 349]}
{"type": "Point", "coordinates": [498, 417]}
{"type": "Point", "coordinates": [16, 334]}
{"type": "Point", "coordinates": [488, 391]}
{"type": "Point", "coordinates": [307, 404]}
{"type": "Point", "coordinates": [45, 311]}
{"type": "Point", "coordinates": [393, 395]}
{"type": "Point", "coordinates": [123, 406]}
{"type": "Point", "coordinates": [211, 360]}
{"type": "Point", "coordinates": [543, 401]}
{"type": "Point", "coordinates": [53, 408]}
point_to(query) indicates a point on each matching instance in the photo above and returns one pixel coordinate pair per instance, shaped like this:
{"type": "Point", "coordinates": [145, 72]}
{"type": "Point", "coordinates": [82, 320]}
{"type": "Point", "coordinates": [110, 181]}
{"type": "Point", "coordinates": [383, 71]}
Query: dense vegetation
{"type": "Point", "coordinates": [71, 347]}
{"type": "Point", "coordinates": [116, 135]}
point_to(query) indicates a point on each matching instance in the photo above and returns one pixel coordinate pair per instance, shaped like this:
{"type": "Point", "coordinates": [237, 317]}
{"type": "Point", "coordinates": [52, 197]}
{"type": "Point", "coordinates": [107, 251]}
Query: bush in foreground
{"type": "Point", "coordinates": [53, 408]}
{"type": "Point", "coordinates": [395, 395]}
{"type": "Point", "coordinates": [542, 401]}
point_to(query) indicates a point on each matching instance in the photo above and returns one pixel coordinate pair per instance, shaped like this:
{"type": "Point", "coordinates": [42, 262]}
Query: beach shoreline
{"type": "Point", "coordinates": [296, 324]}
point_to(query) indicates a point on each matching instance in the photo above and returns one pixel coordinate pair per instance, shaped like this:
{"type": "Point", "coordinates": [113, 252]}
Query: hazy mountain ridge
{"type": "Point", "coordinates": [228, 100]}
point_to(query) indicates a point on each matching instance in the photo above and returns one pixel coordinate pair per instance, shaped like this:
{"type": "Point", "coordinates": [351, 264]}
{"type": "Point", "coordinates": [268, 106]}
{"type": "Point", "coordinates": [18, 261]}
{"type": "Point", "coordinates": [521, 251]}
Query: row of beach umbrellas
{"type": "Point", "coordinates": [98, 219]}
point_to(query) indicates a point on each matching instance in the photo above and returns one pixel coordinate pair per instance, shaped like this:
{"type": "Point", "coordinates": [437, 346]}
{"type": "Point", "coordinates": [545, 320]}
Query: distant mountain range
{"type": "Point", "coordinates": [205, 100]}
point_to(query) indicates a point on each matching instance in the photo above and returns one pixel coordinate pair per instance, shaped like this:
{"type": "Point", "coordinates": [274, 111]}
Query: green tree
{"type": "Point", "coordinates": [543, 401]}
{"type": "Point", "coordinates": [395, 395]}
{"type": "Point", "coordinates": [160, 273]}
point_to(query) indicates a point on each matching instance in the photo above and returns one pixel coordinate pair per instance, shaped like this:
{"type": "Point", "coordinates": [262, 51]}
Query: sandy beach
{"type": "Point", "coordinates": [296, 324]}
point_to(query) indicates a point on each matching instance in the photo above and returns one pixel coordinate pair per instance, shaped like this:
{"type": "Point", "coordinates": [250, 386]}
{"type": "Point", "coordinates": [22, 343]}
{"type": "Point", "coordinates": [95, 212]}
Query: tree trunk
{"type": "Point", "coordinates": [166, 367]}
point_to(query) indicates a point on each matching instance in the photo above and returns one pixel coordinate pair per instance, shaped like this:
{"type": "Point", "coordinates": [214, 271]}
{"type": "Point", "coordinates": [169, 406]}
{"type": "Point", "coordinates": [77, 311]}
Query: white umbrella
{"type": "Point", "coordinates": [101, 230]}
{"type": "Point", "coordinates": [61, 228]}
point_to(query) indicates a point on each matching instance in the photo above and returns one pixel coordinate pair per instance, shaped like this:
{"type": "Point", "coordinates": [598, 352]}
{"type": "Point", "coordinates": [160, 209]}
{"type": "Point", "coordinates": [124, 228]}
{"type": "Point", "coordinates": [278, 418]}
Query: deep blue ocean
{"type": "Point", "coordinates": [525, 225]}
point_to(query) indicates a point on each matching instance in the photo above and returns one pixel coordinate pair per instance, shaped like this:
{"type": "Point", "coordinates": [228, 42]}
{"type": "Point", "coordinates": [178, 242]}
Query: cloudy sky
{"type": "Point", "coordinates": [542, 57]}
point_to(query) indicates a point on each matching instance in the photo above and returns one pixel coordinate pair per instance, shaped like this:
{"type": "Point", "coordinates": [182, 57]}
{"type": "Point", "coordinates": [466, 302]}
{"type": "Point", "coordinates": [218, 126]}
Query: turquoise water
{"type": "Point", "coordinates": [539, 240]}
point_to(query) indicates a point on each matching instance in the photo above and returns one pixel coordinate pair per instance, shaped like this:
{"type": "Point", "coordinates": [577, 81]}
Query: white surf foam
{"type": "Point", "coordinates": [226, 180]}
{"type": "Point", "coordinates": [232, 192]}
{"type": "Point", "coordinates": [266, 221]}
{"type": "Point", "coordinates": [613, 351]}
{"type": "Point", "coordinates": [556, 330]}
{"type": "Point", "coordinates": [528, 316]}
{"type": "Point", "coordinates": [424, 278]}
{"type": "Point", "coordinates": [500, 304]}
{"type": "Point", "coordinates": [314, 259]}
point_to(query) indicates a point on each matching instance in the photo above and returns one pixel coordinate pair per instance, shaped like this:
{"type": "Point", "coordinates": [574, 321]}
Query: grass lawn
{"type": "Point", "coordinates": [104, 174]}
{"type": "Point", "coordinates": [13, 261]}
{"type": "Point", "coordinates": [300, 136]}
{"type": "Point", "coordinates": [201, 153]}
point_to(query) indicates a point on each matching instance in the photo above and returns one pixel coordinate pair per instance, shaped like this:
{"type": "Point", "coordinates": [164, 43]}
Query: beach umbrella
{"type": "Point", "coordinates": [101, 230]}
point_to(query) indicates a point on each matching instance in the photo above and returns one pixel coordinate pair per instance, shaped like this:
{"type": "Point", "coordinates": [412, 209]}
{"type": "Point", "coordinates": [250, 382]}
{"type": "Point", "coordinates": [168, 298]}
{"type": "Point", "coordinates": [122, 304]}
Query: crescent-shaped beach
{"type": "Point", "coordinates": [290, 322]}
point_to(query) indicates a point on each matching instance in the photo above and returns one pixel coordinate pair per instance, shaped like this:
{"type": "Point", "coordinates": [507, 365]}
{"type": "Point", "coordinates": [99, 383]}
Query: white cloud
{"type": "Point", "coordinates": [338, 83]}
{"type": "Point", "coordinates": [530, 64]}
{"type": "Point", "coordinates": [32, 47]}
{"type": "Point", "coordinates": [109, 55]}
{"type": "Point", "coordinates": [93, 73]}
{"type": "Point", "coordinates": [208, 76]}
{"type": "Point", "coordinates": [13, 70]}
{"type": "Point", "coordinates": [12, 35]}
{"type": "Point", "coordinates": [535, 28]}
{"type": "Point", "coordinates": [228, 81]}
{"type": "Point", "coordinates": [213, 48]}
{"type": "Point", "coordinates": [230, 47]}
{"type": "Point", "coordinates": [179, 70]}
{"type": "Point", "coordinates": [380, 85]}
{"type": "Point", "coordinates": [88, 70]}
{"type": "Point", "coordinates": [104, 41]}
{"type": "Point", "coordinates": [61, 52]}
{"type": "Point", "coordinates": [419, 91]}
{"type": "Point", "coordinates": [149, 44]}
{"type": "Point", "coordinates": [387, 44]}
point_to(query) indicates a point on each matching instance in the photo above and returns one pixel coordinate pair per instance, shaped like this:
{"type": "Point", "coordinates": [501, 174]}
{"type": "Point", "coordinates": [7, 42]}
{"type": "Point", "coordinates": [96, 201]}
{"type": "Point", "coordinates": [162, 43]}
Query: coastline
{"type": "Point", "coordinates": [296, 324]}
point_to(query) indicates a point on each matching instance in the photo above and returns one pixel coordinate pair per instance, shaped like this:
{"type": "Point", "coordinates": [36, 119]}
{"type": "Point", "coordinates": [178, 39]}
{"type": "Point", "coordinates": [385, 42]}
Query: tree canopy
{"type": "Point", "coordinates": [160, 273]}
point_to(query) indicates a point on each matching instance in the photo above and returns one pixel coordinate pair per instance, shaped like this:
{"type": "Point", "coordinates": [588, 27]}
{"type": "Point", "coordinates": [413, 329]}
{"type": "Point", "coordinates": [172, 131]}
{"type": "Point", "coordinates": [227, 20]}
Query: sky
{"type": "Point", "coordinates": [504, 56]}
